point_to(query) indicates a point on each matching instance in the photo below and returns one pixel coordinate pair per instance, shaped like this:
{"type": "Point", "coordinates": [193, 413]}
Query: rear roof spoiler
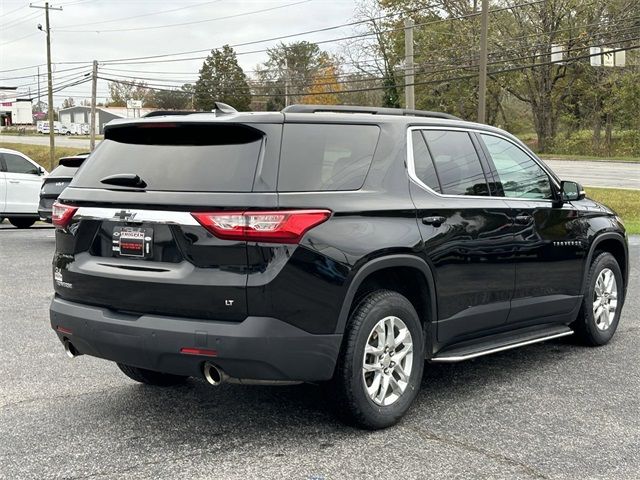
{"type": "Point", "coordinates": [74, 161]}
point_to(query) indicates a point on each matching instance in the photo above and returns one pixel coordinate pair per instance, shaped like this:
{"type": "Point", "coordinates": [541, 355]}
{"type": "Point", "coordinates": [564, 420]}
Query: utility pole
{"type": "Point", "coordinates": [482, 81]}
{"type": "Point", "coordinates": [94, 89]}
{"type": "Point", "coordinates": [39, 109]}
{"type": "Point", "coordinates": [409, 90]}
{"type": "Point", "coordinates": [52, 145]}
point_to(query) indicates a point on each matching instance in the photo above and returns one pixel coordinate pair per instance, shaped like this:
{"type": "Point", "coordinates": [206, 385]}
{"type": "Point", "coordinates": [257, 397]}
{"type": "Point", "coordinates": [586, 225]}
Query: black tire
{"type": "Point", "coordinates": [351, 400]}
{"type": "Point", "coordinates": [585, 326]}
{"type": "Point", "coordinates": [149, 377]}
{"type": "Point", "coordinates": [22, 222]}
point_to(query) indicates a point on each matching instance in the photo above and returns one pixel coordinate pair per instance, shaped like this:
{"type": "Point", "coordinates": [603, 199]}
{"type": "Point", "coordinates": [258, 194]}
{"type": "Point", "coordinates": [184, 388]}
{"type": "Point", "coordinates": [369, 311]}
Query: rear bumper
{"type": "Point", "coordinates": [258, 348]}
{"type": "Point", "coordinates": [45, 207]}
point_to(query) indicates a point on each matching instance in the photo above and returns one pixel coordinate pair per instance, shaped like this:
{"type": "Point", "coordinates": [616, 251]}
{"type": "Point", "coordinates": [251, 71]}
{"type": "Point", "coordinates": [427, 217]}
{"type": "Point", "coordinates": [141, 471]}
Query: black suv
{"type": "Point", "coordinates": [342, 245]}
{"type": "Point", "coordinates": [56, 182]}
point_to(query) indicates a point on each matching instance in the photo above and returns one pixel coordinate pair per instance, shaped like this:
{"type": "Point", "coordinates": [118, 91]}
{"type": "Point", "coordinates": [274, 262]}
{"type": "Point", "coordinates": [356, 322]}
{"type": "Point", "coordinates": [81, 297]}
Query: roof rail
{"type": "Point", "coordinates": [369, 110]}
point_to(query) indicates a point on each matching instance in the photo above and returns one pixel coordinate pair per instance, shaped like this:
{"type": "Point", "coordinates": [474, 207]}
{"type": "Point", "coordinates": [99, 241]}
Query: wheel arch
{"type": "Point", "coordinates": [383, 266]}
{"type": "Point", "coordinates": [614, 243]}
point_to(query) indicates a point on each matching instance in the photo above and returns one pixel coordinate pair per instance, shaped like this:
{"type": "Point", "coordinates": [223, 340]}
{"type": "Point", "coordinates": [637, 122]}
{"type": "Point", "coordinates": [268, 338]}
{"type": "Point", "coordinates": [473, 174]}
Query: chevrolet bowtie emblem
{"type": "Point", "coordinates": [125, 215]}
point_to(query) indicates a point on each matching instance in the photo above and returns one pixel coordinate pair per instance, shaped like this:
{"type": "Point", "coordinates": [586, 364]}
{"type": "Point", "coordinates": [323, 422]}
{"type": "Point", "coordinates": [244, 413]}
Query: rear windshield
{"type": "Point", "coordinates": [177, 157]}
{"type": "Point", "coordinates": [320, 157]}
{"type": "Point", "coordinates": [62, 171]}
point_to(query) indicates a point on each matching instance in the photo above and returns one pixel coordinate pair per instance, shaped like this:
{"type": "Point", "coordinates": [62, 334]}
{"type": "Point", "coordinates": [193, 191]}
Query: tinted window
{"type": "Point", "coordinates": [519, 175]}
{"type": "Point", "coordinates": [62, 171]}
{"type": "Point", "coordinates": [423, 164]}
{"type": "Point", "coordinates": [17, 164]}
{"type": "Point", "coordinates": [198, 158]}
{"type": "Point", "coordinates": [457, 163]}
{"type": "Point", "coordinates": [325, 157]}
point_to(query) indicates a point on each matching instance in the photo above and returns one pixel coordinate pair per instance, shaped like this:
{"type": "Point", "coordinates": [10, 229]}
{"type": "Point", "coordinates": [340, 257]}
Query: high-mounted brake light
{"type": "Point", "coordinates": [278, 226]}
{"type": "Point", "coordinates": [62, 214]}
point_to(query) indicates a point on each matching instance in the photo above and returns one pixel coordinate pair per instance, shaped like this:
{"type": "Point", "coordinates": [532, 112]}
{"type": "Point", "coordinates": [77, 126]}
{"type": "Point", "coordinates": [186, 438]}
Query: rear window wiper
{"type": "Point", "coordinates": [125, 180]}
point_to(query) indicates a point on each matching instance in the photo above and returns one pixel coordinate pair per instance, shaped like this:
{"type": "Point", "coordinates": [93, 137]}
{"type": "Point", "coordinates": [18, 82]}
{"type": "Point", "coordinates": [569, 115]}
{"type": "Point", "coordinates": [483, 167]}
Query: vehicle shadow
{"type": "Point", "coordinates": [238, 411]}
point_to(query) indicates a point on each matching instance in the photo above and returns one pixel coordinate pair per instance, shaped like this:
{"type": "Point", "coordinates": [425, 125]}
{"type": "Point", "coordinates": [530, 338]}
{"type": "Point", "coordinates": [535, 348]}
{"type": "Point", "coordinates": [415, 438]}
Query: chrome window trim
{"type": "Point", "coordinates": [138, 216]}
{"type": "Point", "coordinates": [414, 178]}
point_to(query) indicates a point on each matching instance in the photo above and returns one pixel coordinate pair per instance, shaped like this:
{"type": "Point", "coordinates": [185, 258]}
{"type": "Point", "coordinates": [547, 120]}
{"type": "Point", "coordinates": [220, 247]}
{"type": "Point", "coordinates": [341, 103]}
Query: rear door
{"type": "Point", "coordinates": [466, 231]}
{"type": "Point", "coordinates": [23, 182]}
{"type": "Point", "coordinates": [140, 249]}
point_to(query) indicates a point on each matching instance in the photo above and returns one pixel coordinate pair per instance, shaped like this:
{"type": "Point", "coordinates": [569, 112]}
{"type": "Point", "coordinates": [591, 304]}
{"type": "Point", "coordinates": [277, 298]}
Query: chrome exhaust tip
{"type": "Point", "coordinates": [213, 374]}
{"type": "Point", "coordinates": [69, 349]}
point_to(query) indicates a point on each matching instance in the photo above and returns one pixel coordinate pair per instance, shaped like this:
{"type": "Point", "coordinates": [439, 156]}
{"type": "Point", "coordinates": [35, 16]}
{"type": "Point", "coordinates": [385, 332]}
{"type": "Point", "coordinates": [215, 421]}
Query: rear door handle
{"type": "Point", "coordinates": [523, 219]}
{"type": "Point", "coordinates": [14, 181]}
{"type": "Point", "coordinates": [435, 221]}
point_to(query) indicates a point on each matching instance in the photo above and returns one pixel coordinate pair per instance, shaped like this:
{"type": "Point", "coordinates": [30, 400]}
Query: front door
{"type": "Point", "coordinates": [466, 232]}
{"type": "Point", "coordinates": [23, 182]}
{"type": "Point", "coordinates": [550, 237]}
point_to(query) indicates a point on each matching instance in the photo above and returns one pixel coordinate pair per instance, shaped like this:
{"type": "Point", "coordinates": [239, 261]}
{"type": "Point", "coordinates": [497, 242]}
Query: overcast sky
{"type": "Point", "coordinates": [81, 33]}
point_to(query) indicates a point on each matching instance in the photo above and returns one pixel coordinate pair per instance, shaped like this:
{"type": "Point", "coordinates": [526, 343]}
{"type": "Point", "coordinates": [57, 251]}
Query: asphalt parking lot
{"type": "Point", "coordinates": [553, 410]}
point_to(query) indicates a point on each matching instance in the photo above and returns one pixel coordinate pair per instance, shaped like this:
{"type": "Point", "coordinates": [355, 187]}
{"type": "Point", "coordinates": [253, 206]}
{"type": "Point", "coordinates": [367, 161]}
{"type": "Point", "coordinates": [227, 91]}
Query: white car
{"type": "Point", "coordinates": [20, 182]}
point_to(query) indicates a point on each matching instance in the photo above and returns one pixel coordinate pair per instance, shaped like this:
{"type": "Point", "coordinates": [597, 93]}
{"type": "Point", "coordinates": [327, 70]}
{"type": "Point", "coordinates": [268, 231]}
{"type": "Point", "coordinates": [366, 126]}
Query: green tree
{"type": "Point", "coordinates": [290, 70]}
{"type": "Point", "coordinates": [176, 99]}
{"type": "Point", "coordinates": [222, 80]}
{"type": "Point", "coordinates": [121, 91]}
{"type": "Point", "coordinates": [378, 53]}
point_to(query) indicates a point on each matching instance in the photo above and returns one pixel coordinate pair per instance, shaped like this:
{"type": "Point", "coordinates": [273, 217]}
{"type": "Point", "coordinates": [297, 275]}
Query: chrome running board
{"type": "Point", "coordinates": [451, 355]}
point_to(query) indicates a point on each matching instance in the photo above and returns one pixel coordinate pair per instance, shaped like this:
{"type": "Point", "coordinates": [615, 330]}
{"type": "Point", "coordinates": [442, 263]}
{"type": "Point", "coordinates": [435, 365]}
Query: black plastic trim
{"type": "Point", "coordinates": [594, 245]}
{"type": "Point", "coordinates": [258, 348]}
{"type": "Point", "coordinates": [399, 260]}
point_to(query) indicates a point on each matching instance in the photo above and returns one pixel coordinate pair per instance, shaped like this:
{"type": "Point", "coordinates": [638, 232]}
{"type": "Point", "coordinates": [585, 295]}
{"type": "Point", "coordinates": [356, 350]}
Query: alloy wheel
{"type": "Point", "coordinates": [387, 361]}
{"type": "Point", "coordinates": [605, 299]}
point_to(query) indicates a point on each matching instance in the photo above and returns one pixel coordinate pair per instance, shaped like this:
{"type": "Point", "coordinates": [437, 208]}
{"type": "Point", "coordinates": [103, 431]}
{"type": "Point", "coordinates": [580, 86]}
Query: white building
{"type": "Point", "coordinates": [82, 114]}
{"type": "Point", "coordinates": [14, 110]}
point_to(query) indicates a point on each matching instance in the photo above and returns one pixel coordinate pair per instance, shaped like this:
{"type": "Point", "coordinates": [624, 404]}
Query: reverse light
{"type": "Point", "coordinates": [62, 214]}
{"type": "Point", "coordinates": [278, 226]}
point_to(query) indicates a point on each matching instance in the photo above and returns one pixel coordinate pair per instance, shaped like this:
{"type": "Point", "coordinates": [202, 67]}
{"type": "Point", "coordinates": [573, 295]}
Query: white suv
{"type": "Point", "coordinates": [20, 182]}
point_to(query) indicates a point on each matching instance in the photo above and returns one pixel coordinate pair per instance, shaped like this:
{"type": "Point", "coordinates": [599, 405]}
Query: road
{"type": "Point", "coordinates": [61, 140]}
{"type": "Point", "coordinates": [598, 174]}
{"type": "Point", "coordinates": [554, 410]}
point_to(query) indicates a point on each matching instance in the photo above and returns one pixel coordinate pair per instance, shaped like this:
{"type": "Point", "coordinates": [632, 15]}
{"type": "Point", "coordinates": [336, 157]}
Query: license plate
{"type": "Point", "coordinates": [132, 241]}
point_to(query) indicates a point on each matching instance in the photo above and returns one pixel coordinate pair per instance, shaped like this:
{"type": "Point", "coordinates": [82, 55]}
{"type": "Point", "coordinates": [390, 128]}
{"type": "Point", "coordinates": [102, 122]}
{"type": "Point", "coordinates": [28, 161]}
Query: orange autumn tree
{"type": "Point", "coordinates": [323, 88]}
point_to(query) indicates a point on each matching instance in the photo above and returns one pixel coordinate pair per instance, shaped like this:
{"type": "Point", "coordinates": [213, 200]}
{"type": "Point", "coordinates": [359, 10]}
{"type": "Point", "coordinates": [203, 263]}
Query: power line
{"type": "Point", "coordinates": [424, 69]}
{"type": "Point", "coordinates": [16, 22]}
{"type": "Point", "coordinates": [280, 37]}
{"type": "Point", "coordinates": [236, 15]}
{"type": "Point", "coordinates": [127, 61]}
{"type": "Point", "coordinates": [29, 76]}
{"type": "Point", "coordinates": [400, 85]}
{"type": "Point", "coordinates": [137, 16]}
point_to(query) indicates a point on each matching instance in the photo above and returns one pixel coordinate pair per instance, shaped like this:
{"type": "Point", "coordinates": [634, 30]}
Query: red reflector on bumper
{"type": "Point", "coordinates": [199, 351]}
{"type": "Point", "coordinates": [64, 330]}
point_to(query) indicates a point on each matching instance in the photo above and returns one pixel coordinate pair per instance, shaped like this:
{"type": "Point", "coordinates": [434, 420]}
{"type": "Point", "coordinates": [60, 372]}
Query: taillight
{"type": "Point", "coordinates": [279, 226]}
{"type": "Point", "coordinates": [62, 214]}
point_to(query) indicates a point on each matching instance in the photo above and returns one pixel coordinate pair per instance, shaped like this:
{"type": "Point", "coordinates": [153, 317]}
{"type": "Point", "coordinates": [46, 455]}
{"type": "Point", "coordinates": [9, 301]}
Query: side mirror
{"type": "Point", "coordinates": [572, 191]}
{"type": "Point", "coordinates": [40, 171]}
